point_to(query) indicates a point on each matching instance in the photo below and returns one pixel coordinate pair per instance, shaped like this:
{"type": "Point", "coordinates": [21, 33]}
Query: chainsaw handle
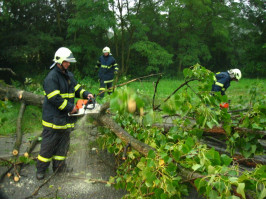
{"type": "Point", "coordinates": [93, 104]}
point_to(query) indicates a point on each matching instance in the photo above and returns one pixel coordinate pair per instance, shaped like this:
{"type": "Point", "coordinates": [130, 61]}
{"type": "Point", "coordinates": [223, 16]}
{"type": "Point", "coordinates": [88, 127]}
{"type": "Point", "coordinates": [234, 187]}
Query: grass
{"type": "Point", "coordinates": [238, 93]}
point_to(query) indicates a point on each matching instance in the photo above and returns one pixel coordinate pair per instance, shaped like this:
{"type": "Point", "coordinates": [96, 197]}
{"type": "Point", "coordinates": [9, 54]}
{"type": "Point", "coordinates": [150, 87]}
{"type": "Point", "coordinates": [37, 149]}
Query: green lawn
{"type": "Point", "coordinates": [238, 93]}
{"type": "Point", "coordinates": [237, 90]}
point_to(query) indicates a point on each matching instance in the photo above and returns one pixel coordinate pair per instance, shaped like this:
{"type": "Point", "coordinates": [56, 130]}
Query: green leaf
{"type": "Point", "coordinates": [196, 167]}
{"type": "Point", "coordinates": [187, 72]}
{"type": "Point", "coordinates": [190, 142]}
{"type": "Point", "coordinates": [150, 163]}
{"type": "Point", "coordinates": [263, 193]}
{"type": "Point", "coordinates": [176, 154]}
{"type": "Point", "coordinates": [151, 154]}
{"type": "Point", "coordinates": [213, 194]}
{"type": "Point", "coordinates": [211, 169]}
{"type": "Point", "coordinates": [141, 165]}
{"type": "Point", "coordinates": [226, 159]}
{"type": "Point", "coordinates": [171, 169]}
{"type": "Point", "coordinates": [240, 189]}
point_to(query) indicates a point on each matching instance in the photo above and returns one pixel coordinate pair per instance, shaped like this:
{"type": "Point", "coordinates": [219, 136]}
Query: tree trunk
{"type": "Point", "coordinates": [8, 92]}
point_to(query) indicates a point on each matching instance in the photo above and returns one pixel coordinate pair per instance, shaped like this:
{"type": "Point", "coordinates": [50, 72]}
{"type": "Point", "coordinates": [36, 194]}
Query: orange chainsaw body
{"type": "Point", "coordinates": [80, 103]}
{"type": "Point", "coordinates": [224, 105]}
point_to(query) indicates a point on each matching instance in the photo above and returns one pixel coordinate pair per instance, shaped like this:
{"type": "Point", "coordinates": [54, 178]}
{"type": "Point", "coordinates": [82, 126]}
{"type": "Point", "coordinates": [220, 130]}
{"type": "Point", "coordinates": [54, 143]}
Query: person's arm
{"type": "Point", "coordinates": [98, 64]}
{"type": "Point", "coordinates": [115, 65]}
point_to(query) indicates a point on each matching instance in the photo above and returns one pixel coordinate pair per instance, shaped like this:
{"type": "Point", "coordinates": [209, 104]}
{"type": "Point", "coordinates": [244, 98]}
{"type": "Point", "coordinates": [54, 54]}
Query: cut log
{"type": "Point", "coordinates": [14, 94]}
{"type": "Point", "coordinates": [19, 134]}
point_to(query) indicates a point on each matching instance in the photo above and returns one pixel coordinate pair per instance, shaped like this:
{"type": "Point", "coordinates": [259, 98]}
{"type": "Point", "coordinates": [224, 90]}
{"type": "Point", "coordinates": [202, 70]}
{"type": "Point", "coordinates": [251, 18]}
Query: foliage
{"type": "Point", "coordinates": [156, 56]}
{"type": "Point", "coordinates": [165, 36]}
{"type": "Point", "coordinates": [161, 174]}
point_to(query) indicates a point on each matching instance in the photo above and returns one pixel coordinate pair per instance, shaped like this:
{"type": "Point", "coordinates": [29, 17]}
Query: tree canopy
{"type": "Point", "coordinates": [154, 35]}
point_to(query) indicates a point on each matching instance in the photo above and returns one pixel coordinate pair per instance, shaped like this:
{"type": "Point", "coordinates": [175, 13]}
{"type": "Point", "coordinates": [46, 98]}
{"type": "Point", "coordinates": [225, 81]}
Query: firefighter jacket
{"type": "Point", "coordinates": [108, 67]}
{"type": "Point", "coordinates": [221, 82]}
{"type": "Point", "coordinates": [60, 90]}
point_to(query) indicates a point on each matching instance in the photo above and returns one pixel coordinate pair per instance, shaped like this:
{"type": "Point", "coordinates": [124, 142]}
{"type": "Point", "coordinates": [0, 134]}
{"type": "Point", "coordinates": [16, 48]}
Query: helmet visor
{"type": "Point", "coordinates": [70, 58]}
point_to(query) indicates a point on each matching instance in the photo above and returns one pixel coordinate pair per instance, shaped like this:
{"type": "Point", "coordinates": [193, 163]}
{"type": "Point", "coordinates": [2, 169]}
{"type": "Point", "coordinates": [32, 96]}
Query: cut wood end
{"type": "Point", "coordinates": [16, 178]}
{"type": "Point", "coordinates": [26, 154]}
{"type": "Point", "coordinates": [9, 175]}
{"type": "Point", "coordinates": [20, 94]}
{"type": "Point", "coordinates": [15, 152]}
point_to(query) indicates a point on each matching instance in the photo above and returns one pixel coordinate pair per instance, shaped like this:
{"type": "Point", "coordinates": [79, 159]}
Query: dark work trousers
{"type": "Point", "coordinates": [54, 147]}
{"type": "Point", "coordinates": [103, 86]}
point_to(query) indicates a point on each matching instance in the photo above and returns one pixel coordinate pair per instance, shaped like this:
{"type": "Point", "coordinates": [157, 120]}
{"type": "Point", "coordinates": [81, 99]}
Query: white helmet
{"type": "Point", "coordinates": [235, 73]}
{"type": "Point", "coordinates": [106, 50]}
{"type": "Point", "coordinates": [64, 54]}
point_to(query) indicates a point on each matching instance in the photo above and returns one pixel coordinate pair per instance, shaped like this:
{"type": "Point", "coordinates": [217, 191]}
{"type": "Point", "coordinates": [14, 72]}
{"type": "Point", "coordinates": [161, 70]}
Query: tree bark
{"type": "Point", "coordinates": [8, 92]}
{"type": "Point", "coordinates": [19, 134]}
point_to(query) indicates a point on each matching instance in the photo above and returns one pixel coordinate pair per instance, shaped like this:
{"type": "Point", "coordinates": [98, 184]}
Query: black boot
{"type": "Point", "coordinates": [40, 175]}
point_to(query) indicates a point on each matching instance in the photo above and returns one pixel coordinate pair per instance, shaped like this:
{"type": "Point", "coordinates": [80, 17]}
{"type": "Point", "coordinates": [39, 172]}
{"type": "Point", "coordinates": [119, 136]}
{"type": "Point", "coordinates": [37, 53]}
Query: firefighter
{"type": "Point", "coordinates": [60, 89]}
{"type": "Point", "coordinates": [222, 80]}
{"type": "Point", "coordinates": [107, 68]}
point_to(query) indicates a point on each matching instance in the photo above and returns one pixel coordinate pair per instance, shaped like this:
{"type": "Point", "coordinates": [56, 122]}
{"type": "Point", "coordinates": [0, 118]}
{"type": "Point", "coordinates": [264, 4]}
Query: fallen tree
{"type": "Point", "coordinates": [162, 168]}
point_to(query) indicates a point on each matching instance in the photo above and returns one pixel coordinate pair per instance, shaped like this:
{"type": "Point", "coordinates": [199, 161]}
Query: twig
{"type": "Point", "coordinates": [155, 90]}
{"type": "Point", "coordinates": [19, 134]}
{"type": "Point", "coordinates": [124, 157]}
{"type": "Point", "coordinates": [32, 145]}
{"type": "Point", "coordinates": [91, 179]}
{"type": "Point", "coordinates": [234, 111]}
{"type": "Point", "coordinates": [46, 181]}
{"type": "Point", "coordinates": [8, 69]}
{"type": "Point", "coordinates": [122, 84]}
{"type": "Point", "coordinates": [182, 85]}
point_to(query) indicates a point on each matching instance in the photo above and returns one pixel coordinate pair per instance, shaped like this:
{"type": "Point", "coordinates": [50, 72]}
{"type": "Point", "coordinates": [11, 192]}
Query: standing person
{"type": "Point", "coordinates": [60, 90]}
{"type": "Point", "coordinates": [222, 80]}
{"type": "Point", "coordinates": [107, 68]}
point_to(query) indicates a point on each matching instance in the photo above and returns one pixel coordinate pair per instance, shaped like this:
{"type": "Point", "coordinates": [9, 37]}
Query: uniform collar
{"type": "Point", "coordinates": [60, 71]}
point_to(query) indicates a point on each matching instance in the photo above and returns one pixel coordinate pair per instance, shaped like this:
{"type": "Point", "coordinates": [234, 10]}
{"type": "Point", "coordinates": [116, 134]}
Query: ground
{"type": "Point", "coordinates": [85, 162]}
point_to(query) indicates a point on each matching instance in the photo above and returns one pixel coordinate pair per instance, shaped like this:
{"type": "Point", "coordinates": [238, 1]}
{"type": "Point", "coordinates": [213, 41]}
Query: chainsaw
{"type": "Point", "coordinates": [85, 107]}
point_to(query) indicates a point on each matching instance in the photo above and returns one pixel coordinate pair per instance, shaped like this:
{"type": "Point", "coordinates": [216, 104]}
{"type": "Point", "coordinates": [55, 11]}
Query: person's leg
{"type": "Point", "coordinates": [61, 151]}
{"type": "Point", "coordinates": [46, 153]}
{"type": "Point", "coordinates": [109, 85]}
{"type": "Point", "coordinates": [102, 88]}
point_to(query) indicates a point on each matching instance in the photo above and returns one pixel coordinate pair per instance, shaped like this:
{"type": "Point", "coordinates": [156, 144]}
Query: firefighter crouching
{"type": "Point", "coordinates": [60, 90]}
{"type": "Point", "coordinates": [107, 68]}
{"type": "Point", "coordinates": [222, 82]}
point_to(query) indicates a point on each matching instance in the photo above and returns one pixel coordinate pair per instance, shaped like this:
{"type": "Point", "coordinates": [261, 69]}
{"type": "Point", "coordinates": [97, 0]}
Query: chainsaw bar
{"type": "Point", "coordinates": [87, 109]}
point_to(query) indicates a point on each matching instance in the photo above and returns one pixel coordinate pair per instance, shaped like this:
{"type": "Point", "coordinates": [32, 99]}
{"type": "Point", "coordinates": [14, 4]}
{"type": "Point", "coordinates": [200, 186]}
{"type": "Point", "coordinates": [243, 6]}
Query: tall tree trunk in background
{"type": "Point", "coordinates": [180, 67]}
{"type": "Point", "coordinates": [120, 8]}
{"type": "Point", "coordinates": [132, 31]}
{"type": "Point", "coordinates": [58, 16]}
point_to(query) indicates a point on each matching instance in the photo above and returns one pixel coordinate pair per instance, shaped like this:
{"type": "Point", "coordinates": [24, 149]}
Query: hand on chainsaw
{"type": "Point", "coordinates": [90, 96]}
{"type": "Point", "coordinates": [74, 110]}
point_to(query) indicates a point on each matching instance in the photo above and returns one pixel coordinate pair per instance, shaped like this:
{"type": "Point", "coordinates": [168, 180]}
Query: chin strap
{"type": "Point", "coordinates": [52, 65]}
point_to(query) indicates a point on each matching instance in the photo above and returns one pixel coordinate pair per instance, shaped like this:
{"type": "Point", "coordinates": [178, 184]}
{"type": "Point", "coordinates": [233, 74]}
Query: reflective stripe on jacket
{"type": "Point", "coordinates": [221, 82]}
{"type": "Point", "coordinates": [108, 66]}
{"type": "Point", "coordinates": [60, 90]}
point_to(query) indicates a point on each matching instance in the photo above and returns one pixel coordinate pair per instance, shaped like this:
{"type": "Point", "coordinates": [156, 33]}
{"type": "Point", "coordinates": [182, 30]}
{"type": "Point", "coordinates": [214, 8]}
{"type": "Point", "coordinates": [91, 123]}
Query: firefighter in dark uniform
{"type": "Point", "coordinates": [60, 89]}
{"type": "Point", "coordinates": [222, 80]}
{"type": "Point", "coordinates": [107, 68]}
